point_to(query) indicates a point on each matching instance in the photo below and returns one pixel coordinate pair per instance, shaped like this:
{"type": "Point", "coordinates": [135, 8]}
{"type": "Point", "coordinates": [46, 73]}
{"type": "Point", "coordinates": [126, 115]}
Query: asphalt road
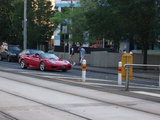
{"type": "Point", "coordinates": [139, 87]}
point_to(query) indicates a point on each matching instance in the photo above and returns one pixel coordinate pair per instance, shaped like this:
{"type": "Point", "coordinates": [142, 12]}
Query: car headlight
{"type": "Point", "coordinates": [67, 62]}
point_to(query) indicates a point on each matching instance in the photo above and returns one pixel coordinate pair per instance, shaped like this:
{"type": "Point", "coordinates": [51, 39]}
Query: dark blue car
{"type": "Point", "coordinates": [10, 52]}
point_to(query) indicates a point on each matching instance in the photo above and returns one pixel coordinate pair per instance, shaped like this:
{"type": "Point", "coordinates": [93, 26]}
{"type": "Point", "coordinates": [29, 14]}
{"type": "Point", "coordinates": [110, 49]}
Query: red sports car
{"type": "Point", "coordinates": [44, 61]}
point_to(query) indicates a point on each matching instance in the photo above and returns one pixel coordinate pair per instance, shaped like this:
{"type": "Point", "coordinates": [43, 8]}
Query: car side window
{"type": "Point", "coordinates": [27, 52]}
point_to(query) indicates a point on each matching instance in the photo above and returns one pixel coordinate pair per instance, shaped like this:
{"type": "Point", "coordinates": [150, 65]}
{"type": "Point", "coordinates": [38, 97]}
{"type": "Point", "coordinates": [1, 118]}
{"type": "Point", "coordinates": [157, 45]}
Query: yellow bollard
{"type": "Point", "coordinates": [127, 59]}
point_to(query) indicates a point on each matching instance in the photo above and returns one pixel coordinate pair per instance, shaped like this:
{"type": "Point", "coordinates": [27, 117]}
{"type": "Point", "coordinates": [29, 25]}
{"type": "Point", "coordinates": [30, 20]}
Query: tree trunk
{"type": "Point", "coordinates": [145, 55]}
{"type": "Point", "coordinates": [145, 48]}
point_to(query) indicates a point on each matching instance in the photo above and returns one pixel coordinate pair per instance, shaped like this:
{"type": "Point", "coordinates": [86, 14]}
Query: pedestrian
{"type": "Point", "coordinates": [71, 58]}
{"type": "Point", "coordinates": [82, 53]}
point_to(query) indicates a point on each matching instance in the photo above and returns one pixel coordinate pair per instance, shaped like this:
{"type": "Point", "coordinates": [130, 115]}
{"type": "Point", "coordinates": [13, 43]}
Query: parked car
{"type": "Point", "coordinates": [10, 52]}
{"type": "Point", "coordinates": [44, 61]}
{"type": "Point", "coordinates": [30, 52]}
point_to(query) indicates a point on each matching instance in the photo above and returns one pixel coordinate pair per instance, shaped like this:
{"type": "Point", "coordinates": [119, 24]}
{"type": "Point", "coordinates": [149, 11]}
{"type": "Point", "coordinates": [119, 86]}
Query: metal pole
{"type": "Point", "coordinates": [127, 78]}
{"type": "Point", "coordinates": [25, 26]}
{"type": "Point", "coordinates": [103, 42]}
{"type": "Point", "coordinates": [70, 35]}
{"type": "Point", "coordinates": [64, 43]}
{"type": "Point", "coordinates": [159, 76]}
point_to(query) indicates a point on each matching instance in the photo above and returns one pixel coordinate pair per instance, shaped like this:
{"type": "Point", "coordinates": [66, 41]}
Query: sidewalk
{"type": "Point", "coordinates": [149, 74]}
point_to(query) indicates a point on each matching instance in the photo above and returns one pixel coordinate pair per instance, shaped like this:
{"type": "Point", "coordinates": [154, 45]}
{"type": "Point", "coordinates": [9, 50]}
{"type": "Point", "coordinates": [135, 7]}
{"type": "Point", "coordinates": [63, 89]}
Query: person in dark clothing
{"type": "Point", "coordinates": [71, 59]}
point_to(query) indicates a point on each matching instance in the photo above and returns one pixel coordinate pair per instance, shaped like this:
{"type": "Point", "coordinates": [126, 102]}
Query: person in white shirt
{"type": "Point", "coordinates": [82, 53]}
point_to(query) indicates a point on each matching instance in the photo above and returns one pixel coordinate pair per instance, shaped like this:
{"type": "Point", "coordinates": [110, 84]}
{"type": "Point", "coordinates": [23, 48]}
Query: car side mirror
{"type": "Point", "coordinates": [36, 56]}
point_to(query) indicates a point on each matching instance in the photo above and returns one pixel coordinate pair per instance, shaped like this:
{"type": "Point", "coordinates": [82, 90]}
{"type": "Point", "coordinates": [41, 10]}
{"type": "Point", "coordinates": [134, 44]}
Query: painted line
{"type": "Point", "coordinates": [102, 80]}
{"type": "Point", "coordinates": [69, 77]}
{"type": "Point", "coordinates": [105, 84]}
{"type": "Point", "coordinates": [138, 84]}
{"type": "Point", "coordinates": [147, 93]}
{"type": "Point", "coordinates": [137, 87]}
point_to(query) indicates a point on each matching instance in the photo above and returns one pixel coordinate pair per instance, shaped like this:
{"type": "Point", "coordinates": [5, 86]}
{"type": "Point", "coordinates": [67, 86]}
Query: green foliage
{"type": "Point", "coordinates": [136, 20]}
{"type": "Point", "coordinates": [141, 23]}
{"type": "Point", "coordinates": [16, 20]}
{"type": "Point", "coordinates": [39, 26]}
{"type": "Point", "coordinates": [6, 9]}
{"type": "Point", "coordinates": [75, 21]}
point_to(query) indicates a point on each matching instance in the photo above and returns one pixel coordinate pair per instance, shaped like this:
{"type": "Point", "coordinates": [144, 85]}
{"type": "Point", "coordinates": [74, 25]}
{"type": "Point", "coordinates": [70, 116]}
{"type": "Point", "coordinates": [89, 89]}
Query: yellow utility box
{"type": "Point", "coordinates": [127, 59]}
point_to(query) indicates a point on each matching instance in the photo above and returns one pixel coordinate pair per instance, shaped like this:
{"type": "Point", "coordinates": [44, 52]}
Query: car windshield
{"type": "Point", "coordinates": [16, 48]}
{"type": "Point", "coordinates": [49, 56]}
{"type": "Point", "coordinates": [32, 52]}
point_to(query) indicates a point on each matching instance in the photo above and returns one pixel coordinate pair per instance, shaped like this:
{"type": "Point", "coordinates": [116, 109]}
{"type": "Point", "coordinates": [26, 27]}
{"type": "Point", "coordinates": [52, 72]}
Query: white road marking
{"type": "Point", "coordinates": [147, 93]}
{"type": "Point", "coordinates": [105, 84]}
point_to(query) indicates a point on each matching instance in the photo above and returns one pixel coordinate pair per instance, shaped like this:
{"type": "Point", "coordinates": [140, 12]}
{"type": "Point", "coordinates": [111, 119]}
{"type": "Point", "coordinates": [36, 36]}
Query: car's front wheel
{"type": "Point", "coordinates": [23, 64]}
{"type": "Point", "coordinates": [8, 59]}
{"type": "Point", "coordinates": [64, 70]}
{"type": "Point", "coordinates": [1, 58]}
{"type": "Point", "coordinates": [42, 66]}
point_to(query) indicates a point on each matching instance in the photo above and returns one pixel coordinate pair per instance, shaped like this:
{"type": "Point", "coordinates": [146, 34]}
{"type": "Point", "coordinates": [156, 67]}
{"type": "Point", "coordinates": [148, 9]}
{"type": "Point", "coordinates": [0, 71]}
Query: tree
{"type": "Point", "coordinates": [104, 22]}
{"type": "Point", "coordinates": [39, 26]}
{"type": "Point", "coordinates": [17, 23]}
{"type": "Point", "coordinates": [5, 19]}
{"type": "Point", "coordinates": [136, 20]}
{"type": "Point", "coordinates": [75, 21]}
{"type": "Point", "coordinates": [140, 17]}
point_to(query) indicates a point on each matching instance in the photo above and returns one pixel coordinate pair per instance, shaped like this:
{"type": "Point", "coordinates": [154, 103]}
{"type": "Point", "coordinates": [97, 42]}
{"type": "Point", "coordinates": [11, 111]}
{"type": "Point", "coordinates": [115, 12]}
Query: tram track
{"type": "Point", "coordinates": [69, 82]}
{"type": "Point", "coordinates": [128, 106]}
{"type": "Point", "coordinates": [44, 104]}
{"type": "Point", "coordinates": [7, 116]}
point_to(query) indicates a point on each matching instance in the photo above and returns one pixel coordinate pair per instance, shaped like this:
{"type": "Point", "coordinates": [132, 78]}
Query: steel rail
{"type": "Point", "coordinates": [126, 66]}
{"type": "Point", "coordinates": [141, 65]}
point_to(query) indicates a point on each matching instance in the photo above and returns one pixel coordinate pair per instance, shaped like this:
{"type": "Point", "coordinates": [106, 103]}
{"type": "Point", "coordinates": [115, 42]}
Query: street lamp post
{"type": "Point", "coordinates": [70, 35]}
{"type": "Point", "coordinates": [25, 26]}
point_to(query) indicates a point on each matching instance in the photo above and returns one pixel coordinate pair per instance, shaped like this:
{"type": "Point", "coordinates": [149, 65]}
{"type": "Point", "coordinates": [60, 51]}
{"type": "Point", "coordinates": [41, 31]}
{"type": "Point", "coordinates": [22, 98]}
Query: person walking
{"type": "Point", "coordinates": [82, 53]}
{"type": "Point", "coordinates": [71, 59]}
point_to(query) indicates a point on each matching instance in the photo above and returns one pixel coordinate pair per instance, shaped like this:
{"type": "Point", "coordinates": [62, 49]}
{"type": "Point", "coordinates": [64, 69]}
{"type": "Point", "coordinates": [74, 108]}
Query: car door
{"type": "Point", "coordinates": [5, 53]}
{"type": "Point", "coordinates": [26, 56]}
{"type": "Point", "coordinates": [35, 60]}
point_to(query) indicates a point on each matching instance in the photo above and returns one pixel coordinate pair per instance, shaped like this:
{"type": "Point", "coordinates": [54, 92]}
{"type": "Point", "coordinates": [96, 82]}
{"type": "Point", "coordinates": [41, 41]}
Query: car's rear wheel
{"type": "Point", "coordinates": [42, 66]}
{"type": "Point", "coordinates": [1, 58]}
{"type": "Point", "coordinates": [8, 59]}
{"type": "Point", "coordinates": [23, 66]}
{"type": "Point", "coordinates": [64, 70]}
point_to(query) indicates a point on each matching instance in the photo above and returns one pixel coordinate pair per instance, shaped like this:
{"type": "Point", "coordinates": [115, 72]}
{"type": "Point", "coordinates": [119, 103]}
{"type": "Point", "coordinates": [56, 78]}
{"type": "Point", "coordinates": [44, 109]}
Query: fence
{"type": "Point", "coordinates": [107, 59]}
{"type": "Point", "coordinates": [137, 65]}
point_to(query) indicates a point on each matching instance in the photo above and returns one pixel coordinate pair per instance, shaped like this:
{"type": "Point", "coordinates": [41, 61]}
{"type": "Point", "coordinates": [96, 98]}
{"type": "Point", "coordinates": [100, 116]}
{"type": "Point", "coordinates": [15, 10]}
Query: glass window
{"type": "Point", "coordinates": [27, 52]}
{"type": "Point", "coordinates": [32, 52]}
{"type": "Point", "coordinates": [16, 48]}
{"type": "Point", "coordinates": [49, 56]}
